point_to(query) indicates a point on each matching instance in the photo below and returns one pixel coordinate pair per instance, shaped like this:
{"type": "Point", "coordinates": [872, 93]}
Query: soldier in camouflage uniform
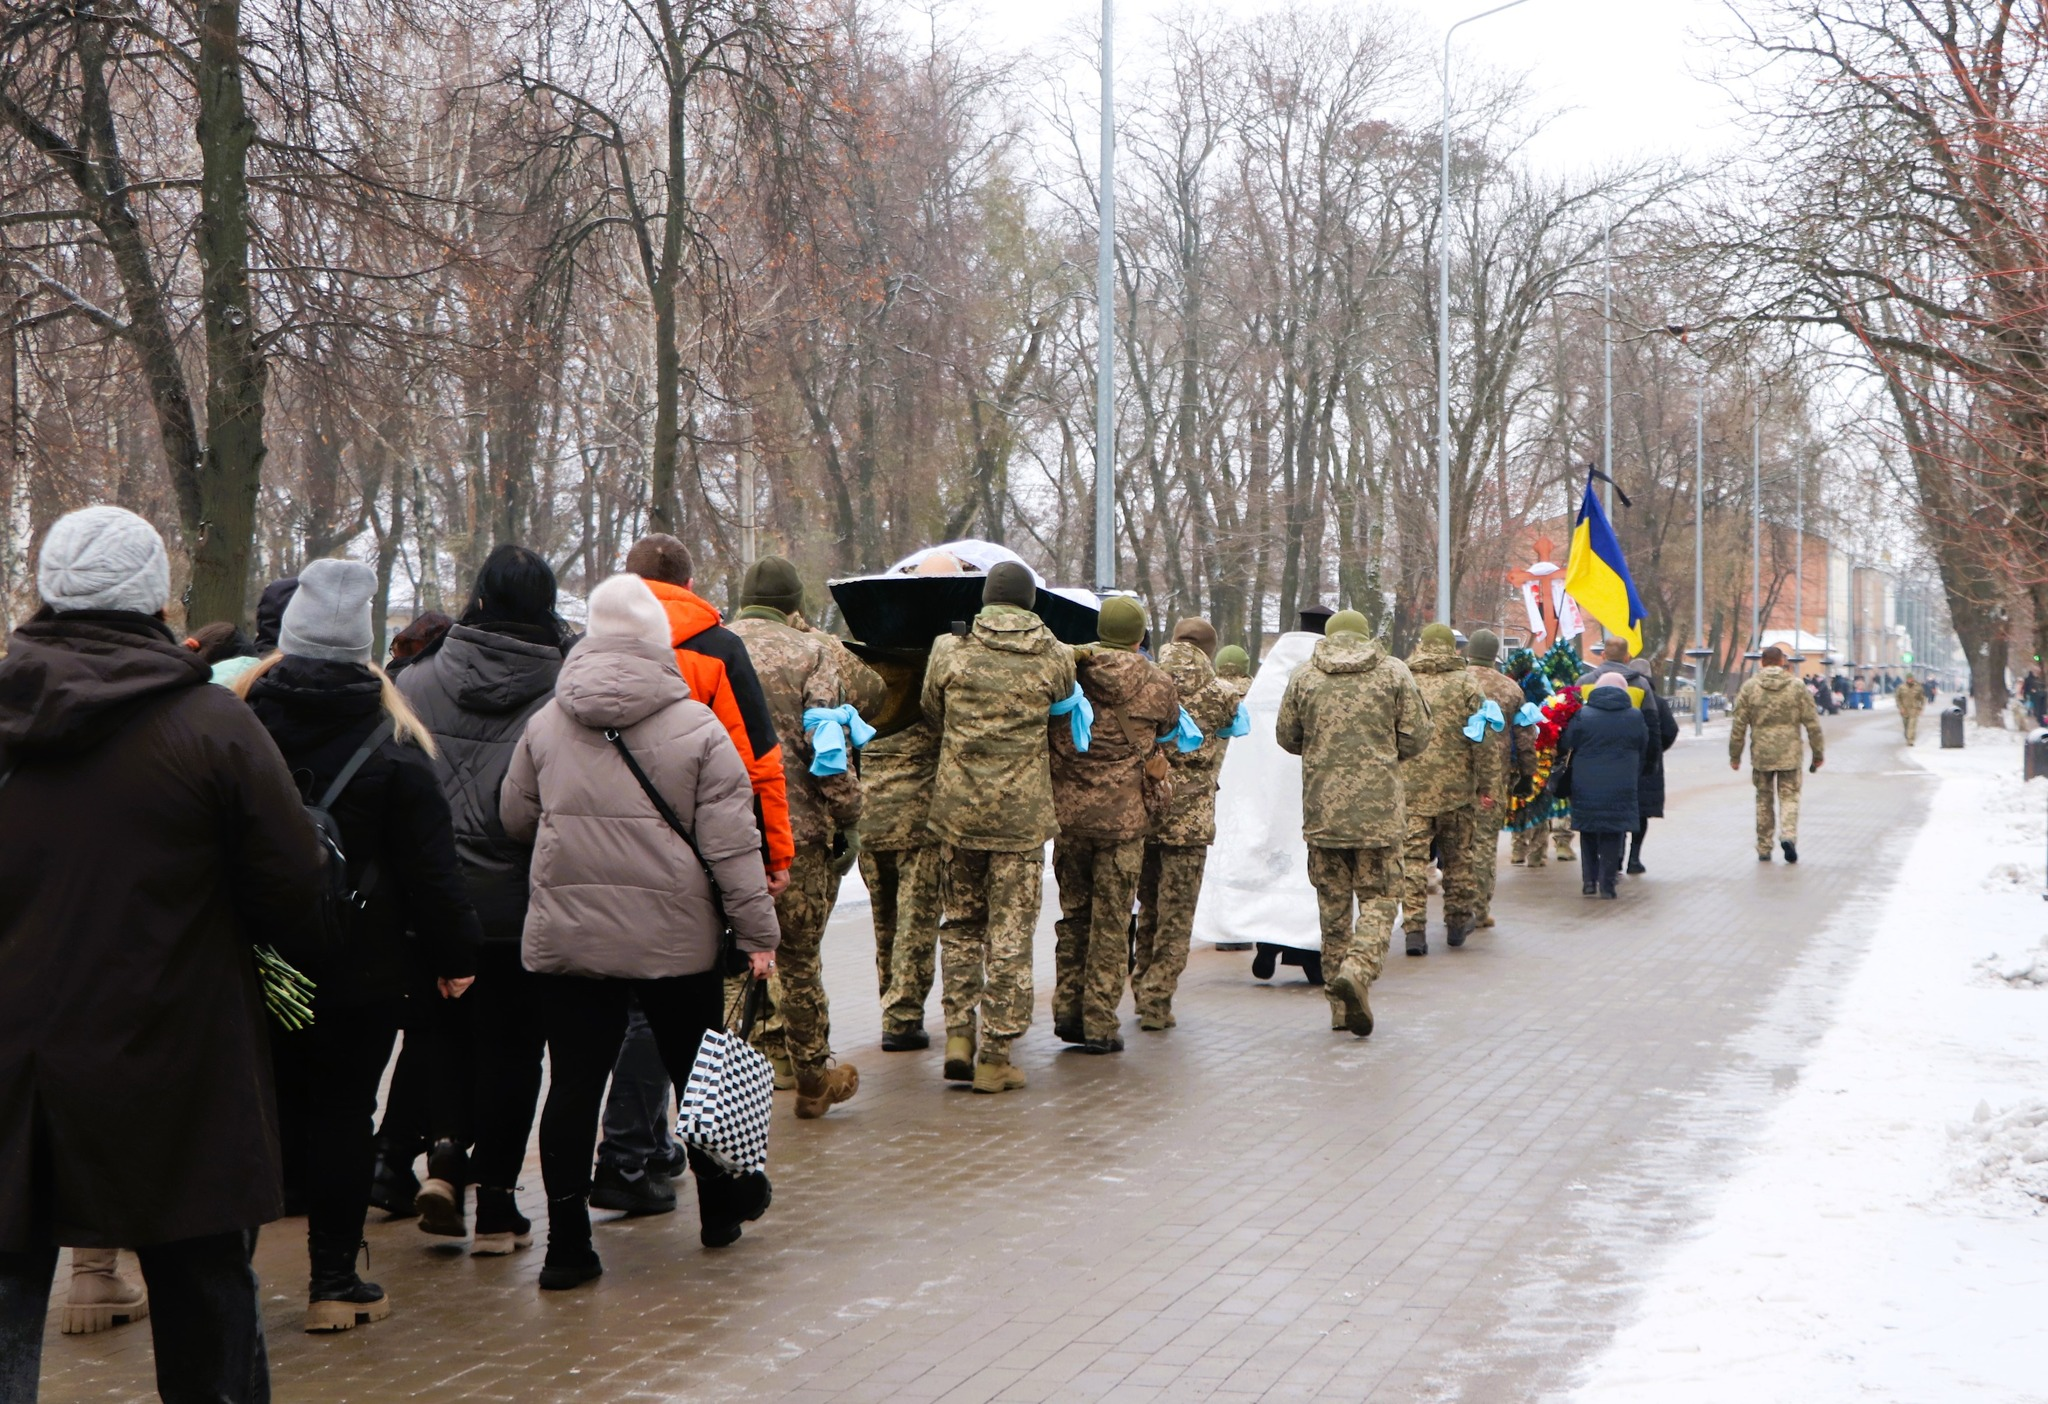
{"type": "Point", "coordinates": [801, 668]}
{"type": "Point", "coordinates": [1178, 849]}
{"type": "Point", "coordinates": [1770, 711]}
{"type": "Point", "coordinates": [1911, 700]}
{"type": "Point", "coordinates": [1099, 796]}
{"type": "Point", "coordinates": [900, 864]}
{"type": "Point", "coordinates": [1510, 757]}
{"type": "Point", "coordinates": [988, 692]}
{"type": "Point", "coordinates": [1444, 787]}
{"type": "Point", "coordinates": [1354, 716]}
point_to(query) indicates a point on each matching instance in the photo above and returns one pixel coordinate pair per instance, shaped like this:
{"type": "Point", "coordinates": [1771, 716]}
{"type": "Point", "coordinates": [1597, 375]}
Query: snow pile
{"type": "Point", "coordinates": [2027, 970]}
{"type": "Point", "coordinates": [2006, 1151]}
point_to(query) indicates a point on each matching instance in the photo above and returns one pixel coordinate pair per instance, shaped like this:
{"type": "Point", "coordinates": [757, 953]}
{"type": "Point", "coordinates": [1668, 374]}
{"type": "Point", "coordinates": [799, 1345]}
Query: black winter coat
{"type": "Point", "coordinates": [392, 816]}
{"type": "Point", "coordinates": [1609, 746]}
{"type": "Point", "coordinates": [476, 691]}
{"type": "Point", "coordinates": [149, 832]}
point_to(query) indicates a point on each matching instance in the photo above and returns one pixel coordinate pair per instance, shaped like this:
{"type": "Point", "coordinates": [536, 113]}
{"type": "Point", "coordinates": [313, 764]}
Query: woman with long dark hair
{"type": "Point", "coordinates": [475, 688]}
{"type": "Point", "coordinates": [329, 708]}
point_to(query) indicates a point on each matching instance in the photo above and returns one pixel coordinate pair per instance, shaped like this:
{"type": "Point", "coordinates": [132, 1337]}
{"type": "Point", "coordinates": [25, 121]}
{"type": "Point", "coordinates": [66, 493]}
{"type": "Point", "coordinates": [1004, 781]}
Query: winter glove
{"type": "Point", "coordinates": [845, 851]}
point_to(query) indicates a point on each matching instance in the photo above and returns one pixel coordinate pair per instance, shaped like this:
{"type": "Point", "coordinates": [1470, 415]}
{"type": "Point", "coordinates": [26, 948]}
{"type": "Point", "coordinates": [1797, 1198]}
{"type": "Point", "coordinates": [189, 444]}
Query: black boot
{"type": "Point", "coordinates": [338, 1300]}
{"type": "Point", "coordinates": [648, 1192]}
{"type": "Point", "coordinates": [1264, 962]}
{"type": "Point", "coordinates": [1418, 943]}
{"type": "Point", "coordinates": [393, 1186]}
{"type": "Point", "coordinates": [726, 1200]}
{"type": "Point", "coordinates": [1791, 851]}
{"type": "Point", "coordinates": [571, 1261]}
{"type": "Point", "coordinates": [442, 1200]}
{"type": "Point", "coordinates": [906, 1041]}
{"type": "Point", "coordinates": [500, 1227]}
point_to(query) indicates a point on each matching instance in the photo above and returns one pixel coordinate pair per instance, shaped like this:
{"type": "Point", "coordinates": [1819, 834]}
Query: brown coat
{"type": "Point", "coordinates": [615, 891]}
{"type": "Point", "coordinates": [150, 833]}
{"type": "Point", "coordinates": [1098, 793]}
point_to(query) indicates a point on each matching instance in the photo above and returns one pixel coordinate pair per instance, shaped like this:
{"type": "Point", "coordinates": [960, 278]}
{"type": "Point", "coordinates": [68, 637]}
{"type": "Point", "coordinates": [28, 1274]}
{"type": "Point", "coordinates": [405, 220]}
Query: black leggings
{"type": "Point", "coordinates": [1600, 858]}
{"type": "Point", "coordinates": [327, 1078]}
{"type": "Point", "coordinates": [586, 1023]}
{"type": "Point", "coordinates": [508, 1036]}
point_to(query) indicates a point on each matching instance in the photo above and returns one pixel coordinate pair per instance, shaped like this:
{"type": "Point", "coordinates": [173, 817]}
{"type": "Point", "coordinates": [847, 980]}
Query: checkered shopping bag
{"type": "Point", "coordinates": [726, 1102]}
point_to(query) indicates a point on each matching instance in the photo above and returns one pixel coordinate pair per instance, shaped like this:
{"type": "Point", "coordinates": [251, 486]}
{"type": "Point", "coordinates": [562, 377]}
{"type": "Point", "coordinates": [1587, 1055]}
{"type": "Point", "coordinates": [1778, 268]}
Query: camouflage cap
{"type": "Point", "coordinates": [1233, 662]}
{"type": "Point", "coordinates": [1440, 634]}
{"type": "Point", "coordinates": [1483, 647]}
{"type": "Point", "coordinates": [1348, 621]}
{"type": "Point", "coordinates": [1011, 584]}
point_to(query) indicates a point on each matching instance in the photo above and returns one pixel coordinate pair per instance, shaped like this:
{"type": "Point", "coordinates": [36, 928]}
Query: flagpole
{"type": "Point", "coordinates": [1607, 361]}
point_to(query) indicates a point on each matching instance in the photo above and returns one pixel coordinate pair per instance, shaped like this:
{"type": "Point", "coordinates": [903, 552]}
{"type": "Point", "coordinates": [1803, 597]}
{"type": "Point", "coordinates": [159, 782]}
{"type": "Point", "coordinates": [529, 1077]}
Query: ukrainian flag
{"type": "Point", "coordinates": [1597, 577]}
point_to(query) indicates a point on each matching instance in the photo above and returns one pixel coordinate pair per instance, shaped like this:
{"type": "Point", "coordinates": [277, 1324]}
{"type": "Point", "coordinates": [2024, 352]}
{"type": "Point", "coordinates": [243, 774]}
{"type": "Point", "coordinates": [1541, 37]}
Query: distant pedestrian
{"type": "Point", "coordinates": [622, 906]}
{"type": "Point", "coordinates": [1608, 746]}
{"type": "Point", "coordinates": [1911, 701]}
{"type": "Point", "coordinates": [1769, 713]}
{"type": "Point", "coordinates": [149, 834]}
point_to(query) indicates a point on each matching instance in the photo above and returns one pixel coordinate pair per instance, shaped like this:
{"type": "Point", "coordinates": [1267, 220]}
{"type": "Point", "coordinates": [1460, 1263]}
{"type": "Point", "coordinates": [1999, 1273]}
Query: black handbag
{"type": "Point", "coordinates": [1560, 783]}
{"type": "Point", "coordinates": [732, 960]}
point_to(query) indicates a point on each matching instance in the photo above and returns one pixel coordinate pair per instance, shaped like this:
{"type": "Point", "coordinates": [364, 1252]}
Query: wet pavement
{"type": "Point", "coordinates": [1249, 1207]}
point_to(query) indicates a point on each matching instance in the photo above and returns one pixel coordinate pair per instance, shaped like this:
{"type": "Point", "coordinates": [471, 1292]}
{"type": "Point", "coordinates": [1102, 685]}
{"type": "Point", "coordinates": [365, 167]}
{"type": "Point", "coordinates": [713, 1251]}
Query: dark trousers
{"type": "Point", "coordinates": [586, 1023]}
{"type": "Point", "coordinates": [327, 1078]}
{"type": "Point", "coordinates": [636, 1124]}
{"type": "Point", "coordinates": [508, 1037]}
{"type": "Point", "coordinates": [203, 1319]}
{"type": "Point", "coordinates": [1635, 851]}
{"type": "Point", "coordinates": [1600, 858]}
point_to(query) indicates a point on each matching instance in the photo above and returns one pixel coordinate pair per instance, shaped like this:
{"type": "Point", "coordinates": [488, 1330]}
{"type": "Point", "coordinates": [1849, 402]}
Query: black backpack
{"type": "Point", "coordinates": [343, 894]}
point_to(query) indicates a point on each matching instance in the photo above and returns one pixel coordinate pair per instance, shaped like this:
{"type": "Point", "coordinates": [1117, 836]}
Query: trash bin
{"type": "Point", "coordinates": [1951, 731]}
{"type": "Point", "coordinates": [2036, 754]}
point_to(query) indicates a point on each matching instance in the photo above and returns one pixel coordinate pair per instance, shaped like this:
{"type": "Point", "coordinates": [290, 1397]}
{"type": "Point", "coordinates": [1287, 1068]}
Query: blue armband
{"type": "Point", "coordinates": [829, 728]}
{"type": "Point", "coordinates": [1488, 715]}
{"type": "Point", "coordinates": [1184, 734]}
{"type": "Point", "coordinates": [1530, 715]}
{"type": "Point", "coordinates": [1080, 715]}
{"type": "Point", "coordinates": [1240, 725]}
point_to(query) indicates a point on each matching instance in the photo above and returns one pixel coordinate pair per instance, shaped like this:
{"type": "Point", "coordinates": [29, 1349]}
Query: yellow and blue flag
{"type": "Point", "coordinates": [1597, 577]}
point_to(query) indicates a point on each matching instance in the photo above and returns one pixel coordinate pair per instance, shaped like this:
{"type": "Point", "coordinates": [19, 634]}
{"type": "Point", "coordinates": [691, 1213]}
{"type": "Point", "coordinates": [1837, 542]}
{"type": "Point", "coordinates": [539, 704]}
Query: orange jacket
{"type": "Point", "coordinates": [715, 664]}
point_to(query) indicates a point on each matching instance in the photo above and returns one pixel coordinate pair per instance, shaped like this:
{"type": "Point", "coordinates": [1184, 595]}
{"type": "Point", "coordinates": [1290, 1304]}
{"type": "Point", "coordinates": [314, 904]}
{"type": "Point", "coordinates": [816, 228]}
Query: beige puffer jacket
{"type": "Point", "coordinates": [615, 892]}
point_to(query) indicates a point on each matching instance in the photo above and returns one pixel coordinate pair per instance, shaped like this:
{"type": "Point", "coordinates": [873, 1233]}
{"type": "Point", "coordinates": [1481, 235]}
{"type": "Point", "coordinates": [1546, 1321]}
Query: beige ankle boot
{"type": "Point", "coordinates": [817, 1092]}
{"type": "Point", "coordinates": [100, 1297]}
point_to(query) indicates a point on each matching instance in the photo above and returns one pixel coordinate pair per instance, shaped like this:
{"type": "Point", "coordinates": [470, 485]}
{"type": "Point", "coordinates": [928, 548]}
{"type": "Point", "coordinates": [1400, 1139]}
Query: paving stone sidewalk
{"type": "Point", "coordinates": [1249, 1207]}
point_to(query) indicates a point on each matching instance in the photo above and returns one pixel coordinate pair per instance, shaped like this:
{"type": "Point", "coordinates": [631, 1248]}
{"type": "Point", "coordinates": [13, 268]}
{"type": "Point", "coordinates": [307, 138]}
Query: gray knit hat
{"type": "Point", "coordinates": [329, 616]}
{"type": "Point", "coordinates": [104, 558]}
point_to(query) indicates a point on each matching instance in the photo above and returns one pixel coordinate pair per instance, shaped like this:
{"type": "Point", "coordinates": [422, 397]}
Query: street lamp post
{"type": "Point", "coordinates": [1607, 365]}
{"type": "Point", "coordinates": [1105, 322]}
{"type": "Point", "coordinates": [1756, 527]}
{"type": "Point", "coordinates": [1698, 651]}
{"type": "Point", "coordinates": [1799, 557]}
{"type": "Point", "coordinates": [1443, 324]}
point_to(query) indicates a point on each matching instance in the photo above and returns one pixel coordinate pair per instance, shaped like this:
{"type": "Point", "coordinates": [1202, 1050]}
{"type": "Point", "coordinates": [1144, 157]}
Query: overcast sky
{"type": "Point", "coordinates": [1634, 74]}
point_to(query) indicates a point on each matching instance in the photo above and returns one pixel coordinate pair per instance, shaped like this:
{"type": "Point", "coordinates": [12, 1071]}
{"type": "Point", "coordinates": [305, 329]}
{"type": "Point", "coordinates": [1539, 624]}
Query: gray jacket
{"type": "Point", "coordinates": [615, 892]}
{"type": "Point", "coordinates": [475, 693]}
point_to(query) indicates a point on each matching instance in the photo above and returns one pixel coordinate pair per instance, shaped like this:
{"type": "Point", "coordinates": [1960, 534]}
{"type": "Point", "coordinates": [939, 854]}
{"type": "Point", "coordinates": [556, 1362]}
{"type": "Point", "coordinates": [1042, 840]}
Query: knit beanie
{"type": "Point", "coordinates": [1348, 621]}
{"type": "Point", "coordinates": [1199, 632]}
{"type": "Point", "coordinates": [624, 608]}
{"type": "Point", "coordinates": [1440, 635]}
{"type": "Point", "coordinates": [1010, 584]}
{"type": "Point", "coordinates": [773, 581]}
{"type": "Point", "coordinates": [329, 616]}
{"type": "Point", "coordinates": [1233, 662]}
{"type": "Point", "coordinates": [1483, 648]}
{"type": "Point", "coordinates": [104, 558]}
{"type": "Point", "coordinates": [1121, 623]}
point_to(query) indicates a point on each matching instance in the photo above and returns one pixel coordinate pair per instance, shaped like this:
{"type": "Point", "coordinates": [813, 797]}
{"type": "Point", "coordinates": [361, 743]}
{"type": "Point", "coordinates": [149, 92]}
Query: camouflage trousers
{"type": "Point", "coordinates": [903, 886]}
{"type": "Point", "coordinates": [1777, 806]}
{"type": "Point", "coordinates": [1451, 836]}
{"type": "Point", "coordinates": [1355, 893]}
{"type": "Point", "coordinates": [1169, 881]}
{"type": "Point", "coordinates": [1532, 845]}
{"type": "Point", "coordinates": [991, 903]}
{"type": "Point", "coordinates": [1097, 880]}
{"type": "Point", "coordinates": [1912, 723]}
{"type": "Point", "coordinates": [1486, 824]}
{"type": "Point", "coordinates": [798, 1017]}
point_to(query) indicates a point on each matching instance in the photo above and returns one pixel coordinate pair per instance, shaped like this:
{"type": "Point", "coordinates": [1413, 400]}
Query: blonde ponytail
{"type": "Point", "coordinates": [406, 726]}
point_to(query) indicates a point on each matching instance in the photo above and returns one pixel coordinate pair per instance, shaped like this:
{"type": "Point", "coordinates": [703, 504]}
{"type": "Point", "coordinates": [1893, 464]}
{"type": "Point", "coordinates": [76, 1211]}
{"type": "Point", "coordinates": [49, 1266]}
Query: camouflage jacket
{"type": "Point", "coordinates": [1511, 751]}
{"type": "Point", "coordinates": [1911, 698]}
{"type": "Point", "coordinates": [1452, 772]}
{"type": "Point", "coordinates": [896, 774]}
{"type": "Point", "coordinates": [1212, 702]}
{"type": "Point", "coordinates": [987, 692]}
{"type": "Point", "coordinates": [858, 683]}
{"type": "Point", "coordinates": [1769, 712]}
{"type": "Point", "coordinates": [1353, 714]}
{"type": "Point", "coordinates": [1099, 793]}
{"type": "Point", "coordinates": [798, 668]}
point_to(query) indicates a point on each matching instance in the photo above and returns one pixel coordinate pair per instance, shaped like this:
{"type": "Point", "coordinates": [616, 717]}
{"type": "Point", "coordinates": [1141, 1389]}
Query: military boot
{"type": "Point", "coordinates": [959, 1057]}
{"type": "Point", "coordinates": [998, 1077]}
{"type": "Point", "coordinates": [1456, 930]}
{"type": "Point", "coordinates": [785, 1071]}
{"type": "Point", "coordinates": [1418, 943]}
{"type": "Point", "coordinates": [100, 1297]}
{"type": "Point", "coordinates": [1351, 990]}
{"type": "Point", "coordinates": [819, 1090]}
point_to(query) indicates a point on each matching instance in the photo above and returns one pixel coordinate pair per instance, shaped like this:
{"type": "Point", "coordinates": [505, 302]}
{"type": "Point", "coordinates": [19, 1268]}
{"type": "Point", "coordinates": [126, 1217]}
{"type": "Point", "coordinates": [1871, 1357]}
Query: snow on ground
{"type": "Point", "coordinates": [1887, 1236]}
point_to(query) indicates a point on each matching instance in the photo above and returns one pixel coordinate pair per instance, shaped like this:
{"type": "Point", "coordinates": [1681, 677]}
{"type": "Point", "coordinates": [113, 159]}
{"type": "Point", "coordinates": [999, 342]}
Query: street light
{"type": "Point", "coordinates": [1443, 327]}
{"type": "Point", "coordinates": [1699, 651]}
{"type": "Point", "coordinates": [1105, 323]}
